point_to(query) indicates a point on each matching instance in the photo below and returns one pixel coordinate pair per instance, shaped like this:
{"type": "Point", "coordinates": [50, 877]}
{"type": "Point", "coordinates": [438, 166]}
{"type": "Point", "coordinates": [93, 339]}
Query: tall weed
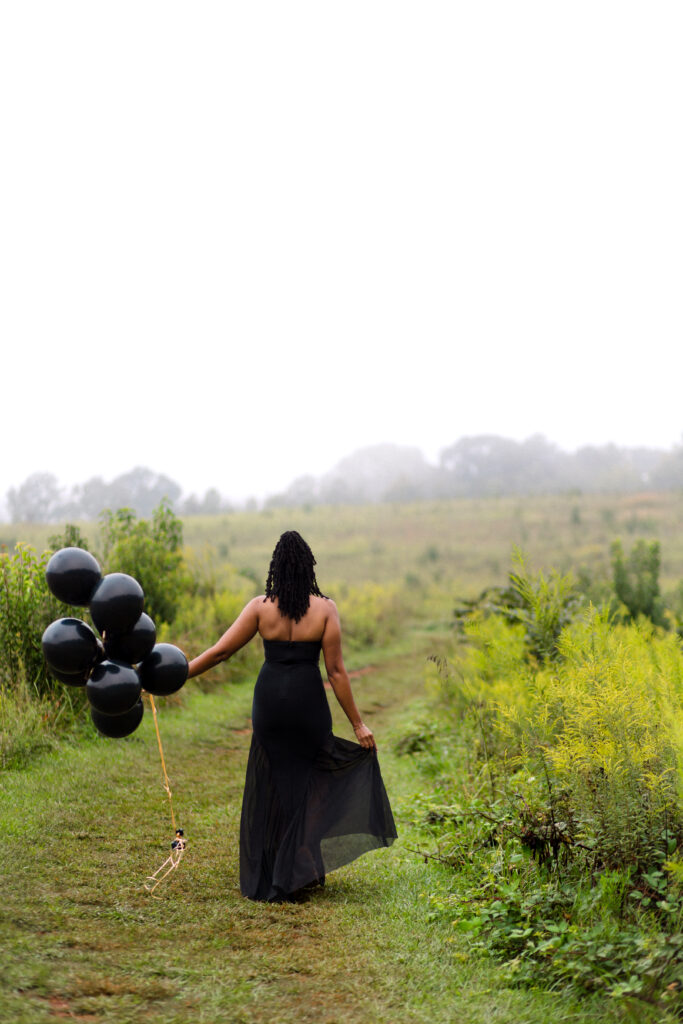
{"type": "Point", "coordinates": [32, 704]}
{"type": "Point", "coordinates": [565, 816]}
{"type": "Point", "coordinates": [27, 607]}
{"type": "Point", "coordinates": [371, 613]}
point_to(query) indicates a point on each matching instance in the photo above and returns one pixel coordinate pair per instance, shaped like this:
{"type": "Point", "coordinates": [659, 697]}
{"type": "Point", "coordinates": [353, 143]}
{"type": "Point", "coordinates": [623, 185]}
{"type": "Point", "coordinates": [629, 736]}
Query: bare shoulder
{"type": "Point", "coordinates": [332, 625]}
{"type": "Point", "coordinates": [324, 604]}
{"type": "Point", "coordinates": [254, 606]}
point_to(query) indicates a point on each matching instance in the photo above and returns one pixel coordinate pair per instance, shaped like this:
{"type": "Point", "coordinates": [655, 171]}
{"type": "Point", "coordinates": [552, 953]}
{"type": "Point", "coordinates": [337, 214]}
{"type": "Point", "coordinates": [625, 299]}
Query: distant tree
{"type": "Point", "coordinates": [212, 504]}
{"type": "Point", "coordinates": [38, 500]}
{"type": "Point", "coordinates": [90, 498]}
{"type": "Point", "coordinates": [668, 473]}
{"type": "Point", "coordinates": [334, 490]}
{"type": "Point", "coordinates": [190, 506]}
{"type": "Point", "coordinates": [609, 468]}
{"type": "Point", "coordinates": [302, 491]}
{"type": "Point", "coordinates": [490, 465]}
{"type": "Point", "coordinates": [374, 473]}
{"type": "Point", "coordinates": [407, 488]}
{"type": "Point", "coordinates": [142, 490]}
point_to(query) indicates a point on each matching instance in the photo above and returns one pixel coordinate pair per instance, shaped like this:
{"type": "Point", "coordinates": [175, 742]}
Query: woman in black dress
{"type": "Point", "coordinates": [312, 801]}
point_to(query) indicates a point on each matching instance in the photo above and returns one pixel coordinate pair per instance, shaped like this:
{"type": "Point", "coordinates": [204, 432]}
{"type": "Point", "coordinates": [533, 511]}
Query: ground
{"type": "Point", "coordinates": [83, 940]}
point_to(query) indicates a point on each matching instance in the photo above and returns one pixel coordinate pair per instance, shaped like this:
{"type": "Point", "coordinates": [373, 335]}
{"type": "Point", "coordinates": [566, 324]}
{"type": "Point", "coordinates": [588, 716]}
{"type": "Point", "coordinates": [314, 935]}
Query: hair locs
{"type": "Point", "coordinates": [291, 577]}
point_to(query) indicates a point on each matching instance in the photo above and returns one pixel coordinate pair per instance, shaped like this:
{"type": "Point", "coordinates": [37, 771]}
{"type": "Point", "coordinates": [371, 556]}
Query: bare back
{"type": "Point", "coordinates": [274, 626]}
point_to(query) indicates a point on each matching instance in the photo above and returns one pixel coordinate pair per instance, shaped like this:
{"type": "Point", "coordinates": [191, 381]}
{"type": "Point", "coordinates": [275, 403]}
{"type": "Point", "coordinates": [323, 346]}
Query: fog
{"type": "Point", "coordinates": [241, 242]}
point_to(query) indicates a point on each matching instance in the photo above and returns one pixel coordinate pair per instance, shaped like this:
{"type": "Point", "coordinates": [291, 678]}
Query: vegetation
{"type": "Point", "coordinates": [151, 552]}
{"type": "Point", "coordinates": [636, 580]}
{"type": "Point", "coordinates": [33, 704]}
{"type": "Point", "coordinates": [82, 940]}
{"type": "Point", "coordinates": [457, 546]}
{"type": "Point", "coordinates": [560, 764]}
{"type": "Point", "coordinates": [540, 784]}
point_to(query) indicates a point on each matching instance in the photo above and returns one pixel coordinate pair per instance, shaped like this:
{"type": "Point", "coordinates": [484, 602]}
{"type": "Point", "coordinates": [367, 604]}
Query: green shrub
{"type": "Point", "coordinates": [636, 580]}
{"type": "Point", "coordinates": [32, 703]}
{"type": "Point", "coordinates": [151, 551]}
{"type": "Point", "coordinates": [26, 609]}
{"type": "Point", "coordinates": [542, 604]}
{"type": "Point", "coordinates": [564, 811]}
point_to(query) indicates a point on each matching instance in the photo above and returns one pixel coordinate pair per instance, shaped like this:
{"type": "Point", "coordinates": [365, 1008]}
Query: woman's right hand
{"type": "Point", "coordinates": [365, 736]}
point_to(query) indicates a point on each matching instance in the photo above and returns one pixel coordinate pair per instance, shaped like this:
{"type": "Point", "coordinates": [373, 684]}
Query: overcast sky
{"type": "Point", "coordinates": [240, 240]}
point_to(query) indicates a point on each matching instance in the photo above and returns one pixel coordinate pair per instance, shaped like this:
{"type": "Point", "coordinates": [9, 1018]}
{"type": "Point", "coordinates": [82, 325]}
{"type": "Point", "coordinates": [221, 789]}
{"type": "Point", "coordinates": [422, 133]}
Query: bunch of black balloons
{"type": "Point", "coordinates": [116, 666]}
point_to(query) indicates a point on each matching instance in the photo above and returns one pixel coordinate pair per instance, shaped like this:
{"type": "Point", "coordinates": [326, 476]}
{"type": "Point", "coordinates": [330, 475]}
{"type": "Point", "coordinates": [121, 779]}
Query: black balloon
{"type": "Point", "coordinates": [116, 726]}
{"type": "Point", "coordinates": [72, 575]}
{"type": "Point", "coordinates": [69, 645]}
{"type": "Point", "coordinates": [134, 645]}
{"type": "Point", "coordinates": [71, 678]}
{"type": "Point", "coordinates": [164, 671]}
{"type": "Point", "coordinates": [113, 688]}
{"type": "Point", "coordinates": [117, 603]}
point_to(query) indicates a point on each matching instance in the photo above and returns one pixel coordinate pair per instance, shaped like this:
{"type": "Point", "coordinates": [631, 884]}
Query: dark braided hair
{"type": "Point", "coordinates": [291, 577]}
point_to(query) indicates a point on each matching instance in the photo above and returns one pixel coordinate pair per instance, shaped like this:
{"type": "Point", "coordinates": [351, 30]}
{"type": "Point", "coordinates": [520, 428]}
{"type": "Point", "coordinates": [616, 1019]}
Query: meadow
{"type": "Point", "coordinates": [464, 544]}
{"type": "Point", "coordinates": [532, 747]}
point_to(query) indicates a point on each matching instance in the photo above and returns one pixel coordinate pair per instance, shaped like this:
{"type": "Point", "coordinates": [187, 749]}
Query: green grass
{"type": "Point", "coordinates": [81, 940]}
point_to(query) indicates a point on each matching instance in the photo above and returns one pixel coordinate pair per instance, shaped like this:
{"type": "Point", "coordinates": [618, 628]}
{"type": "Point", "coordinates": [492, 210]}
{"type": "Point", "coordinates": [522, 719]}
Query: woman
{"type": "Point", "coordinates": [312, 801]}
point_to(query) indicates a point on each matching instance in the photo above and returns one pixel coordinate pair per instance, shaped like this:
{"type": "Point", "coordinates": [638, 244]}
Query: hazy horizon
{"type": "Point", "coordinates": [240, 499]}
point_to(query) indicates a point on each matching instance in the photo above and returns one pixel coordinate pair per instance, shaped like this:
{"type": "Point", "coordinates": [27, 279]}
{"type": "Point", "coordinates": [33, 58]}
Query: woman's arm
{"type": "Point", "coordinates": [339, 678]}
{"type": "Point", "coordinates": [242, 630]}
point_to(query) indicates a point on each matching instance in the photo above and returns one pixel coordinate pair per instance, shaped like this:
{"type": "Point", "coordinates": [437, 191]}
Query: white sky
{"type": "Point", "coordinates": [240, 240]}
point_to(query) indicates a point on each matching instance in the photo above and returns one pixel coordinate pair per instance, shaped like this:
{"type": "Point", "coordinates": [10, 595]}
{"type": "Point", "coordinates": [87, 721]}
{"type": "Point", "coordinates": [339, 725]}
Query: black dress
{"type": "Point", "coordinates": [312, 801]}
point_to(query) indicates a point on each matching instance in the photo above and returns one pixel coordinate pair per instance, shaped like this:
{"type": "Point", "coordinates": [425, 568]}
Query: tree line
{"type": "Point", "coordinates": [485, 465]}
{"type": "Point", "coordinates": [41, 499]}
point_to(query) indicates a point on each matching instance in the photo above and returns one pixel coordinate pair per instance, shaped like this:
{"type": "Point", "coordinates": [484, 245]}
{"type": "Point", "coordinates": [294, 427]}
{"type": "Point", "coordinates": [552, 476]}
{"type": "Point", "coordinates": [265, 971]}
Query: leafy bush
{"type": "Point", "coordinates": [600, 725]}
{"type": "Point", "coordinates": [542, 604]}
{"type": "Point", "coordinates": [32, 703]}
{"type": "Point", "coordinates": [576, 934]}
{"type": "Point", "coordinates": [151, 551]}
{"type": "Point", "coordinates": [567, 826]}
{"type": "Point", "coordinates": [26, 609]}
{"type": "Point", "coordinates": [636, 580]}
{"type": "Point", "coordinates": [70, 537]}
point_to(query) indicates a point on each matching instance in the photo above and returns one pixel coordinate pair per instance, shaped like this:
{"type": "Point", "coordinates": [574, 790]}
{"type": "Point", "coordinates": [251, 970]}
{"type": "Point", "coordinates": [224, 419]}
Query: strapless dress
{"type": "Point", "coordinates": [312, 801]}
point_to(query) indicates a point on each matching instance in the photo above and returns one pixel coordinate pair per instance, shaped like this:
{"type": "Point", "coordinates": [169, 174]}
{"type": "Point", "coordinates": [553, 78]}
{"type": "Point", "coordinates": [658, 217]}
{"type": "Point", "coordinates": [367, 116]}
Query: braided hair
{"type": "Point", "coordinates": [291, 577]}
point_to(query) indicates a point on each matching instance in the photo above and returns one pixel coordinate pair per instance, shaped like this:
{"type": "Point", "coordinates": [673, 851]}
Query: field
{"type": "Point", "coordinates": [464, 545]}
{"type": "Point", "coordinates": [401, 936]}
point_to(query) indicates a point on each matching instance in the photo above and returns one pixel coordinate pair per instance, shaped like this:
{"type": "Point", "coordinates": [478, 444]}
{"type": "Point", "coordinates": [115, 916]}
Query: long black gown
{"type": "Point", "coordinates": [312, 801]}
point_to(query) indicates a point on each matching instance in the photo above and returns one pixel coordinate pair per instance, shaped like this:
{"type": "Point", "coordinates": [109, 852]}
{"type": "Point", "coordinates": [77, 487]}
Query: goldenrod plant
{"type": "Point", "coordinates": [560, 800]}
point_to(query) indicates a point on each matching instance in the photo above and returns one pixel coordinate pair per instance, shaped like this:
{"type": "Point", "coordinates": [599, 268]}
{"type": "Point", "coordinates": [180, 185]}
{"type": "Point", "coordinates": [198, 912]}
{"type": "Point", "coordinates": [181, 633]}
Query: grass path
{"type": "Point", "coordinates": [81, 940]}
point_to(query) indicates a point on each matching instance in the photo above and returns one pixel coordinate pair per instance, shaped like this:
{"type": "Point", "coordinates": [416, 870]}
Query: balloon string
{"type": "Point", "coordinates": [167, 786]}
